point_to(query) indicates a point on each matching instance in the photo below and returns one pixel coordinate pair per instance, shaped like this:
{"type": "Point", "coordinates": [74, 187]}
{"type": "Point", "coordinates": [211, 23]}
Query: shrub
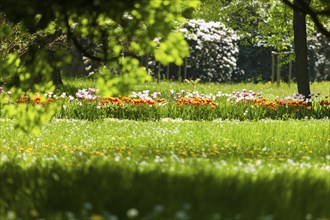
{"type": "Point", "coordinates": [213, 53]}
{"type": "Point", "coordinates": [214, 50]}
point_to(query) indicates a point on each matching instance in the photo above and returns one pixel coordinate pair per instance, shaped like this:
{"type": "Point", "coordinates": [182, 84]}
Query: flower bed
{"type": "Point", "coordinates": [243, 105]}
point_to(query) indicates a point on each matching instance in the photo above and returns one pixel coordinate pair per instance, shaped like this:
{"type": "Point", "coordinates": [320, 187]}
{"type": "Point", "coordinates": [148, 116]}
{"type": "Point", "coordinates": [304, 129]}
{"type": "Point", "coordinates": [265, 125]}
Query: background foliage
{"type": "Point", "coordinates": [265, 26]}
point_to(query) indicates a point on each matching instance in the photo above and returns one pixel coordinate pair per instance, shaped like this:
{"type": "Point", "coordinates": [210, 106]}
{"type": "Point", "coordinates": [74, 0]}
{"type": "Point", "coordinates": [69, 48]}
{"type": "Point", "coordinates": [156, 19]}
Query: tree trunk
{"type": "Point", "coordinates": [300, 49]}
{"type": "Point", "coordinates": [57, 77]}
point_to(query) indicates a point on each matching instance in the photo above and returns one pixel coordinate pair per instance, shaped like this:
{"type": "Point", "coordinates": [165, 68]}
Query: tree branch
{"type": "Point", "coordinates": [104, 36]}
{"type": "Point", "coordinates": [306, 9]}
{"type": "Point", "coordinates": [324, 12]}
{"type": "Point", "coordinates": [77, 44]}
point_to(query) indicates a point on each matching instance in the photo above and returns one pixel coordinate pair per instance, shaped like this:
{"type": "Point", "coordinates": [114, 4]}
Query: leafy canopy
{"type": "Point", "coordinates": [263, 22]}
{"type": "Point", "coordinates": [111, 32]}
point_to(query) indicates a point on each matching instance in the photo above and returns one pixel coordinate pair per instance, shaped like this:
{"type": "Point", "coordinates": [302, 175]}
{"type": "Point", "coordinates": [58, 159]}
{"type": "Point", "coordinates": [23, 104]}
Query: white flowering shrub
{"type": "Point", "coordinates": [213, 53]}
{"type": "Point", "coordinates": [213, 50]}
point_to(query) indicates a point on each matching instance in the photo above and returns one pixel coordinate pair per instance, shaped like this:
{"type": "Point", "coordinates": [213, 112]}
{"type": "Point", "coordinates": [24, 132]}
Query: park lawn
{"type": "Point", "coordinates": [269, 90]}
{"type": "Point", "coordinates": [168, 169]}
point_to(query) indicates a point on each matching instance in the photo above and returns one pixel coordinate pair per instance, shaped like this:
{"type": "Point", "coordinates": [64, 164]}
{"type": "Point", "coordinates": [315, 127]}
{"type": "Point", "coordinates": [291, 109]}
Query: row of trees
{"type": "Point", "coordinates": [36, 36]}
{"type": "Point", "coordinates": [218, 54]}
{"type": "Point", "coordinates": [280, 24]}
{"type": "Point", "coordinates": [100, 30]}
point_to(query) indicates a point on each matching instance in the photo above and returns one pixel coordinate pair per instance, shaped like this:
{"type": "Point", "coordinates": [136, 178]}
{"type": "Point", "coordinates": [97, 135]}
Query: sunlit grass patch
{"type": "Point", "coordinates": [101, 169]}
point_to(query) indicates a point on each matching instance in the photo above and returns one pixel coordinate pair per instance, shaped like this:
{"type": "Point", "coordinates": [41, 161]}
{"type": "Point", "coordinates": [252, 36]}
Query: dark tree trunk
{"type": "Point", "coordinates": [300, 49]}
{"type": "Point", "coordinates": [57, 77]}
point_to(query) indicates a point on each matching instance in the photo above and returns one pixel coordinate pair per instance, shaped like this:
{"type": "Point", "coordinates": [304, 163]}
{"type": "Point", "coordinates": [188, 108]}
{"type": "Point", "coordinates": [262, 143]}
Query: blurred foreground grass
{"type": "Point", "coordinates": [166, 170]}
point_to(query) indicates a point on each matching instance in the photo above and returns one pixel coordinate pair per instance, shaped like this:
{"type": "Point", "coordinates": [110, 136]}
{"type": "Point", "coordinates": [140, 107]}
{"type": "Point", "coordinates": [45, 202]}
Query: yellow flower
{"type": "Point", "coordinates": [96, 217]}
{"type": "Point", "coordinates": [34, 213]}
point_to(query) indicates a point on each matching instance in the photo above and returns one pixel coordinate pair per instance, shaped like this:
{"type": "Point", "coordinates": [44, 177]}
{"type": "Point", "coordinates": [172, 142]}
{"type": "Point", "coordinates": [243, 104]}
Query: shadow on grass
{"type": "Point", "coordinates": [50, 191]}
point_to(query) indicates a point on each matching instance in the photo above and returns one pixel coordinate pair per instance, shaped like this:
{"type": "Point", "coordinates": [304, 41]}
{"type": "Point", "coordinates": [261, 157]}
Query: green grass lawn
{"type": "Point", "coordinates": [169, 169]}
{"type": "Point", "coordinates": [269, 90]}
